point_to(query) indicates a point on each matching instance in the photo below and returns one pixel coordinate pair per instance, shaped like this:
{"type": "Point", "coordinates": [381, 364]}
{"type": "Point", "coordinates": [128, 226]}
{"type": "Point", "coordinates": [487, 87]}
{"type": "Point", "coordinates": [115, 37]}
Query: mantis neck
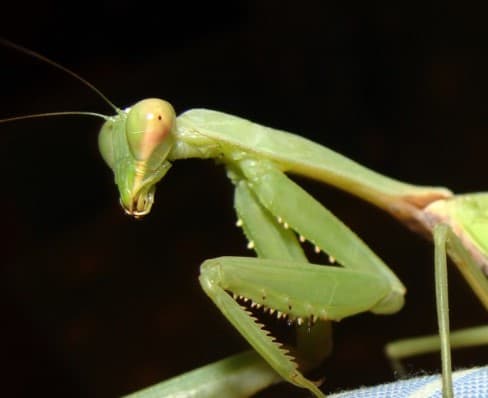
{"type": "Point", "coordinates": [191, 144]}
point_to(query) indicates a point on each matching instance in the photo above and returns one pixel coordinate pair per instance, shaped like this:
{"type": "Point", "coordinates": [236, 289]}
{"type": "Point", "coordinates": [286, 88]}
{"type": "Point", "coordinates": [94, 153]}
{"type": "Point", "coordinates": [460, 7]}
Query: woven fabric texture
{"type": "Point", "coordinates": [468, 383]}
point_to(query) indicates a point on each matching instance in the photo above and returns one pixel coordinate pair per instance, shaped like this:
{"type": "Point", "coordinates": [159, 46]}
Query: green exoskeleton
{"type": "Point", "coordinates": [276, 215]}
{"type": "Point", "coordinates": [140, 143]}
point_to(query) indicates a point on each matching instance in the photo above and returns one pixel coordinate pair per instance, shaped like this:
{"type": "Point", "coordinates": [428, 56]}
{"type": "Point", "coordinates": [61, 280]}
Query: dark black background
{"type": "Point", "coordinates": [94, 304]}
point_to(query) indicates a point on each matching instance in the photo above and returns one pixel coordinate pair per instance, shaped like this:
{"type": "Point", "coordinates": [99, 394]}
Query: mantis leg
{"type": "Point", "coordinates": [285, 283]}
{"type": "Point", "coordinates": [271, 240]}
{"type": "Point", "coordinates": [307, 217]}
{"type": "Point", "coordinates": [298, 291]}
{"type": "Point", "coordinates": [446, 241]}
{"type": "Point", "coordinates": [442, 306]}
{"type": "Point", "coordinates": [238, 376]}
{"type": "Point", "coordinates": [460, 338]}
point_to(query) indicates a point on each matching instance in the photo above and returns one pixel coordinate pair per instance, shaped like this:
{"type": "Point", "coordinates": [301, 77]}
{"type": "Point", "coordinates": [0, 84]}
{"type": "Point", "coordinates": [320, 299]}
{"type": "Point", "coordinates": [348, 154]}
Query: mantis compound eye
{"type": "Point", "coordinates": [149, 130]}
{"type": "Point", "coordinates": [105, 143]}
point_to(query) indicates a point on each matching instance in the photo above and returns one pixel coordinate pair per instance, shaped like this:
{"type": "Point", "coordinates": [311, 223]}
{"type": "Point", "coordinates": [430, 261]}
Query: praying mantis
{"type": "Point", "coordinates": [140, 143]}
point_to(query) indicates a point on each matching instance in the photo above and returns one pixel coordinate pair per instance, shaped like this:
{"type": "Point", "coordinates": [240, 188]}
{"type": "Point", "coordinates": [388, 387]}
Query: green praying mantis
{"type": "Point", "coordinates": [277, 216]}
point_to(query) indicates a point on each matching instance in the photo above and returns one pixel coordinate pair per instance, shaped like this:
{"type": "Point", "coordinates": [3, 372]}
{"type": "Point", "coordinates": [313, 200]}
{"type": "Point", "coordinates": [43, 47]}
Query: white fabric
{"type": "Point", "coordinates": [469, 383]}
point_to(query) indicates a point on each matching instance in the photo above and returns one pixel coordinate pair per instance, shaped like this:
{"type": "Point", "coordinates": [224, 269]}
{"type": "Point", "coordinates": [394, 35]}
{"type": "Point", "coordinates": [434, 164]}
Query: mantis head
{"type": "Point", "coordinates": [135, 144]}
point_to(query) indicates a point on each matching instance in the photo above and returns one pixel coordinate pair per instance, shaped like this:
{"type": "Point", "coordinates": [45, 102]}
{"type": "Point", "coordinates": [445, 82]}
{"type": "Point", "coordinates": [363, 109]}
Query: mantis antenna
{"type": "Point", "coordinates": [49, 114]}
{"type": "Point", "coordinates": [34, 54]}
